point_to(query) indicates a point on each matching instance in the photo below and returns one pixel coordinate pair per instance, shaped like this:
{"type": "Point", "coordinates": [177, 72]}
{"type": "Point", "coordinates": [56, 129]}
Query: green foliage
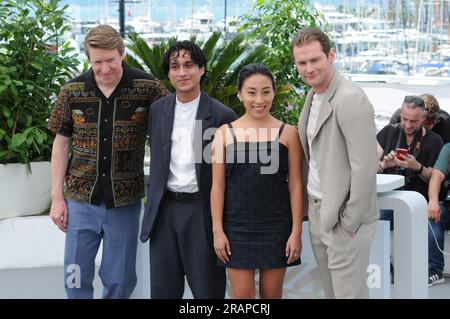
{"type": "Point", "coordinates": [290, 112]}
{"type": "Point", "coordinates": [34, 63]}
{"type": "Point", "coordinates": [225, 59]}
{"type": "Point", "coordinates": [274, 23]}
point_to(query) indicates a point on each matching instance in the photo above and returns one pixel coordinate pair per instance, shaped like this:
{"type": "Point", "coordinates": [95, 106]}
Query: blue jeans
{"type": "Point", "coordinates": [435, 257]}
{"type": "Point", "coordinates": [87, 226]}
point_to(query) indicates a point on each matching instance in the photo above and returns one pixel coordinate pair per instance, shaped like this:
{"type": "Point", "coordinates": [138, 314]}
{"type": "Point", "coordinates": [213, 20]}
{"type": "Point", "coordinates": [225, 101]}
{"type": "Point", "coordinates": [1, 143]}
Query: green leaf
{"type": "Point", "coordinates": [30, 139]}
{"type": "Point", "coordinates": [3, 154]}
{"type": "Point", "coordinates": [6, 111]}
{"type": "Point", "coordinates": [37, 66]}
{"type": "Point", "coordinates": [39, 138]}
{"type": "Point", "coordinates": [3, 87]}
{"type": "Point", "coordinates": [14, 90]}
{"type": "Point", "coordinates": [37, 147]}
{"type": "Point", "coordinates": [3, 69]}
{"type": "Point", "coordinates": [18, 140]}
{"type": "Point", "coordinates": [10, 122]}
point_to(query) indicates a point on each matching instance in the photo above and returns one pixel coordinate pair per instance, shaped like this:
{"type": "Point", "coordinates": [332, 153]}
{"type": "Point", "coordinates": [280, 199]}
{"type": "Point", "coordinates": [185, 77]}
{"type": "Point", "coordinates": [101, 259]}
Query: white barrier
{"type": "Point", "coordinates": [410, 237]}
{"type": "Point", "coordinates": [410, 242]}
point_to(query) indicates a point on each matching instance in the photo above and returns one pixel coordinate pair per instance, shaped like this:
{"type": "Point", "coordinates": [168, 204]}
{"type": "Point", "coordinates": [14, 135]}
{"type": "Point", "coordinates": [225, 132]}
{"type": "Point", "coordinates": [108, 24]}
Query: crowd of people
{"type": "Point", "coordinates": [228, 195]}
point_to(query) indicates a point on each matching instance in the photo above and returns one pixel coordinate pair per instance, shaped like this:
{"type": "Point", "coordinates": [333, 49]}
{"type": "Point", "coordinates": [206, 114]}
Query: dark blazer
{"type": "Point", "coordinates": [212, 114]}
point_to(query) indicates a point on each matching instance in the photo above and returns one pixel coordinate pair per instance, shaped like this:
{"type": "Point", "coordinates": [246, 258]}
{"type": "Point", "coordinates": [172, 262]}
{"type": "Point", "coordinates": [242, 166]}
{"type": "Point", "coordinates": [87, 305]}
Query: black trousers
{"type": "Point", "coordinates": [179, 247]}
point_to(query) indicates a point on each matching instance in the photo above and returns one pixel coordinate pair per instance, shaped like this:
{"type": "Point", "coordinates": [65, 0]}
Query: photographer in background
{"type": "Point", "coordinates": [422, 146]}
{"type": "Point", "coordinates": [436, 119]}
{"type": "Point", "coordinates": [409, 149]}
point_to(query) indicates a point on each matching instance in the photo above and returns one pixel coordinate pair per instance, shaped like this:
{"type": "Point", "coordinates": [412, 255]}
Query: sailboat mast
{"type": "Point", "coordinates": [419, 22]}
{"type": "Point", "coordinates": [192, 15]}
{"type": "Point", "coordinates": [149, 10]}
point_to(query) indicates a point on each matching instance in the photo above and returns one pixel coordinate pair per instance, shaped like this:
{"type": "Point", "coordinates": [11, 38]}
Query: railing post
{"type": "Point", "coordinates": [410, 242]}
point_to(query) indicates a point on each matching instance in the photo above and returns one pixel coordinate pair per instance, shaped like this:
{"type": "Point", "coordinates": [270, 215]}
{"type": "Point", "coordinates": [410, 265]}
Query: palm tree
{"type": "Point", "coordinates": [225, 59]}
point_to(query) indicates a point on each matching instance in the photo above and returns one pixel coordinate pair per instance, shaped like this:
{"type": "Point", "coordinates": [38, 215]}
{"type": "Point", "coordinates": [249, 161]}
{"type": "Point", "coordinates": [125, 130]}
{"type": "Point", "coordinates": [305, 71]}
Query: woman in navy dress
{"type": "Point", "coordinates": [256, 195]}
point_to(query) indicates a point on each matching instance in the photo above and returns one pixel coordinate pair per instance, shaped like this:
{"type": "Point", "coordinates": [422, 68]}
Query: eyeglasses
{"type": "Point", "coordinates": [416, 100]}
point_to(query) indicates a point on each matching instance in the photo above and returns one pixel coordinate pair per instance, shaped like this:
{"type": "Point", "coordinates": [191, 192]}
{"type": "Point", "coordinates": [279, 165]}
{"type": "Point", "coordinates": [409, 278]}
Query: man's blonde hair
{"type": "Point", "coordinates": [103, 36]}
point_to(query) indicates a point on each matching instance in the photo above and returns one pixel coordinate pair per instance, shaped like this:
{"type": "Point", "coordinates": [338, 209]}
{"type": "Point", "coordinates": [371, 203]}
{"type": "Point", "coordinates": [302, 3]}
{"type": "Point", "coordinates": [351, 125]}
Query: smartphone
{"type": "Point", "coordinates": [400, 153]}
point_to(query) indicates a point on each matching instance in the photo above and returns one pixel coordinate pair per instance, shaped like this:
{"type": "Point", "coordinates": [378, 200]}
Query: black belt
{"type": "Point", "coordinates": [182, 197]}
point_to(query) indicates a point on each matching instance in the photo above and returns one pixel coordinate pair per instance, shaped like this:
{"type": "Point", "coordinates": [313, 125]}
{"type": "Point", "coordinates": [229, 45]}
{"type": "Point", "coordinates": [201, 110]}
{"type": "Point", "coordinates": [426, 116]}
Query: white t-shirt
{"type": "Point", "coordinates": [314, 186]}
{"type": "Point", "coordinates": [182, 176]}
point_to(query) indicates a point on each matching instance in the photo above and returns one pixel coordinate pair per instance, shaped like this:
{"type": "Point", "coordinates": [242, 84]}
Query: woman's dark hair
{"type": "Point", "coordinates": [197, 55]}
{"type": "Point", "coordinates": [252, 69]}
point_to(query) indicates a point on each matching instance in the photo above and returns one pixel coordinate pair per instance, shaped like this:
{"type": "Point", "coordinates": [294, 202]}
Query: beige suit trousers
{"type": "Point", "coordinates": [342, 260]}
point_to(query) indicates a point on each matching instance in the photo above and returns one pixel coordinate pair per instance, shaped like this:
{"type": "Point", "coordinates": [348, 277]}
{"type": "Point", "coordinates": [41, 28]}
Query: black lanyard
{"type": "Point", "coordinates": [414, 147]}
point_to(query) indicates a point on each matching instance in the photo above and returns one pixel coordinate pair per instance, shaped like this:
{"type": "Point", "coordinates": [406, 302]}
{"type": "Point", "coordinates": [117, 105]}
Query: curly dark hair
{"type": "Point", "coordinates": [197, 55]}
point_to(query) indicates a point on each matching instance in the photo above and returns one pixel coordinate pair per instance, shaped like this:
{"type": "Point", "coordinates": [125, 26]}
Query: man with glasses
{"type": "Point", "coordinates": [422, 146]}
{"type": "Point", "coordinates": [436, 119]}
{"type": "Point", "coordinates": [422, 149]}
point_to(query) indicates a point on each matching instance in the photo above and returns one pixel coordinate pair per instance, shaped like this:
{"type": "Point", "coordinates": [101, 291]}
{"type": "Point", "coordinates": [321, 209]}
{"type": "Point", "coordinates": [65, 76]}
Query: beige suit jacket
{"type": "Point", "coordinates": [344, 145]}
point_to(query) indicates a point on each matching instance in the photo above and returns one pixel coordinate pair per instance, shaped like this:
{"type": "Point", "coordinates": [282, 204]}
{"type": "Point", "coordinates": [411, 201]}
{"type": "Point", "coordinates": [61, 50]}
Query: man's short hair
{"type": "Point", "coordinates": [104, 36]}
{"type": "Point", "coordinates": [197, 55]}
{"type": "Point", "coordinates": [413, 101]}
{"type": "Point", "coordinates": [309, 35]}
